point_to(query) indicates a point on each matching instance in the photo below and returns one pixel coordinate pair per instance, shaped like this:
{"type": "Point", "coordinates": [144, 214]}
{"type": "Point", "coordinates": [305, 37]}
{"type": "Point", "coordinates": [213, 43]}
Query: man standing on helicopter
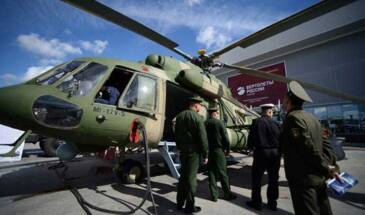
{"type": "Point", "coordinates": [191, 141]}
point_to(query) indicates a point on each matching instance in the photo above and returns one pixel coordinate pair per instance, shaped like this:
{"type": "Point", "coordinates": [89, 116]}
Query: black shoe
{"type": "Point", "coordinates": [231, 196]}
{"type": "Point", "coordinates": [272, 206]}
{"type": "Point", "coordinates": [179, 206]}
{"type": "Point", "coordinates": [195, 209]}
{"type": "Point", "coordinates": [254, 205]}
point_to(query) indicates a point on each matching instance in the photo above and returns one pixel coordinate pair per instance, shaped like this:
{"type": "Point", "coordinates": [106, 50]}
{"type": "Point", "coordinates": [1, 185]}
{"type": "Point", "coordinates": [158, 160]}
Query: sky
{"type": "Point", "coordinates": [36, 35]}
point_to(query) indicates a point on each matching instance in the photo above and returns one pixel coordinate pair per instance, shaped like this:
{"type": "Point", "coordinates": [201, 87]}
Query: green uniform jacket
{"type": "Point", "coordinates": [217, 165]}
{"type": "Point", "coordinates": [217, 134]}
{"type": "Point", "coordinates": [302, 146]}
{"type": "Point", "coordinates": [190, 133]}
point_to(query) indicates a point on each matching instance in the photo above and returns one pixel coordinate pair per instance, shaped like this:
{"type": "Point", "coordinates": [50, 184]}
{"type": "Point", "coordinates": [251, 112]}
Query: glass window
{"type": "Point", "coordinates": [59, 73]}
{"type": "Point", "coordinates": [351, 117]}
{"type": "Point", "coordinates": [82, 83]}
{"type": "Point", "coordinates": [362, 118]}
{"type": "Point", "coordinates": [310, 110]}
{"type": "Point", "coordinates": [115, 85]}
{"type": "Point", "coordinates": [321, 112]}
{"type": "Point", "coordinates": [334, 112]}
{"type": "Point", "coordinates": [56, 112]}
{"type": "Point", "coordinates": [141, 93]}
{"type": "Point", "coordinates": [350, 112]}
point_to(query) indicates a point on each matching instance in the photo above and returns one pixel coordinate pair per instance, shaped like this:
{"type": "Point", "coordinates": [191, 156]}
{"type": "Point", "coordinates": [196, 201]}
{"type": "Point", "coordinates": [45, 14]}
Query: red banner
{"type": "Point", "coordinates": [255, 91]}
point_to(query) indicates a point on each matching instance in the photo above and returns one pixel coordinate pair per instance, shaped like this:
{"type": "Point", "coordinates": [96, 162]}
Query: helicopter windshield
{"type": "Point", "coordinates": [82, 83]}
{"type": "Point", "coordinates": [141, 94]}
{"type": "Point", "coordinates": [59, 73]}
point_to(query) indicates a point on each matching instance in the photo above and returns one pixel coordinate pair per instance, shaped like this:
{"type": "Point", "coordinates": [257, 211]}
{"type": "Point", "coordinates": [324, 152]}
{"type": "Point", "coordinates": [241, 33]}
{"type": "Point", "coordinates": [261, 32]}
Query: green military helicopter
{"type": "Point", "coordinates": [67, 103]}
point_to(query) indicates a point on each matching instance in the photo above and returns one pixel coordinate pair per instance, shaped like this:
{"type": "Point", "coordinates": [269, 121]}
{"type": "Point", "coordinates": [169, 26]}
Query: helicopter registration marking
{"type": "Point", "coordinates": [109, 111]}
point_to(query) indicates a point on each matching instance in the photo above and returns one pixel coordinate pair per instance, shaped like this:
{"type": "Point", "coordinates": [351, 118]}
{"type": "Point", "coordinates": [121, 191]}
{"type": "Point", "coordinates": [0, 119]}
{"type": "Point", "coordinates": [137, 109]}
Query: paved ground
{"type": "Point", "coordinates": [35, 189]}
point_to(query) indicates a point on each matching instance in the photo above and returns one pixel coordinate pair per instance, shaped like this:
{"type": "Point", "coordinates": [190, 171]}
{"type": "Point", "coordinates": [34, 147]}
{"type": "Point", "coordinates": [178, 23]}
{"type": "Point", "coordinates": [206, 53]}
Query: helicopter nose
{"type": "Point", "coordinates": [5, 113]}
{"type": "Point", "coordinates": [14, 105]}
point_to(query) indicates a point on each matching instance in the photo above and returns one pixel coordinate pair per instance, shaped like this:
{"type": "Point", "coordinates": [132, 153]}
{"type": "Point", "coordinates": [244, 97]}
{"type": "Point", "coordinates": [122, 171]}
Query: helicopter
{"type": "Point", "coordinates": [67, 102]}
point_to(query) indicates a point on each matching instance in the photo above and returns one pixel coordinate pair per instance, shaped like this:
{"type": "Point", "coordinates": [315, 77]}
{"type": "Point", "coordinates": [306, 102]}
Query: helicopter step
{"type": "Point", "coordinates": [13, 151]}
{"type": "Point", "coordinates": [168, 151]}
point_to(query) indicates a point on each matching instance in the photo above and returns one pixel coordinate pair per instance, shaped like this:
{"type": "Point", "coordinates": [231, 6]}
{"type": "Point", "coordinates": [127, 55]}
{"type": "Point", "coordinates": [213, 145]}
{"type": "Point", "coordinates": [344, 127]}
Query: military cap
{"type": "Point", "coordinates": [267, 106]}
{"type": "Point", "coordinates": [213, 107]}
{"type": "Point", "coordinates": [298, 91]}
{"type": "Point", "coordinates": [196, 99]}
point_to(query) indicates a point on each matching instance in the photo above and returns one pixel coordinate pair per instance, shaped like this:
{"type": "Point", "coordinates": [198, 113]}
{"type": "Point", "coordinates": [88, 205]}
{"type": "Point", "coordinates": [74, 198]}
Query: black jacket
{"type": "Point", "coordinates": [264, 133]}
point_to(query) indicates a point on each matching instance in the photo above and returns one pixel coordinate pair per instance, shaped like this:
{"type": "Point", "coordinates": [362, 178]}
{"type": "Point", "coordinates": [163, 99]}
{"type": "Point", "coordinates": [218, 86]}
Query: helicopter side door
{"type": "Point", "coordinates": [145, 98]}
{"type": "Point", "coordinates": [125, 96]}
{"type": "Point", "coordinates": [104, 123]}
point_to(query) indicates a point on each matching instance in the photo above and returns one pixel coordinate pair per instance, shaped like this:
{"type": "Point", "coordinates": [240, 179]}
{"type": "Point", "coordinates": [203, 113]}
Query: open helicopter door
{"type": "Point", "coordinates": [155, 121]}
{"type": "Point", "coordinates": [136, 95]}
{"type": "Point", "coordinates": [144, 99]}
{"type": "Point", "coordinates": [12, 143]}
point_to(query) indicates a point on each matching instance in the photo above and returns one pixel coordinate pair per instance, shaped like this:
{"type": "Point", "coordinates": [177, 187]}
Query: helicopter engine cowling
{"type": "Point", "coordinates": [203, 83]}
{"type": "Point", "coordinates": [67, 151]}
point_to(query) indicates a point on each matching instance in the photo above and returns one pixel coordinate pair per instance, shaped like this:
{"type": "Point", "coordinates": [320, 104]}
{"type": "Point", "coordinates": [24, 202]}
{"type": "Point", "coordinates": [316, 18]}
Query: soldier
{"type": "Point", "coordinates": [191, 141]}
{"type": "Point", "coordinates": [218, 148]}
{"type": "Point", "coordinates": [302, 146]}
{"type": "Point", "coordinates": [108, 95]}
{"type": "Point", "coordinates": [264, 140]}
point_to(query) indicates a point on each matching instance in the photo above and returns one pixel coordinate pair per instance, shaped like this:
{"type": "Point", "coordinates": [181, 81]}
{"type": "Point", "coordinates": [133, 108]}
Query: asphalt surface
{"type": "Point", "coordinates": [31, 187]}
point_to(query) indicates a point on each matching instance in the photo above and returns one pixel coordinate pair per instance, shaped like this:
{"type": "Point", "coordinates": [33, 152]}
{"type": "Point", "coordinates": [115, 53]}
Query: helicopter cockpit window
{"type": "Point", "coordinates": [141, 94]}
{"type": "Point", "coordinates": [82, 83]}
{"type": "Point", "coordinates": [59, 73]}
{"type": "Point", "coordinates": [114, 86]}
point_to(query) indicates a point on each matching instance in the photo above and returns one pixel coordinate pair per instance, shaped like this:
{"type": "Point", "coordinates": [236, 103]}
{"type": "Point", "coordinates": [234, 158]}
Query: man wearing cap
{"type": "Point", "coordinates": [218, 148]}
{"type": "Point", "coordinates": [302, 146]}
{"type": "Point", "coordinates": [264, 140]}
{"type": "Point", "coordinates": [191, 141]}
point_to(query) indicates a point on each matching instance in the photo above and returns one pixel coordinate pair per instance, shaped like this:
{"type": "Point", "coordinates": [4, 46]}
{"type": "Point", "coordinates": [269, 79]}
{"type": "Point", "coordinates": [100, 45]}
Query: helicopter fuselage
{"type": "Point", "coordinates": [62, 102]}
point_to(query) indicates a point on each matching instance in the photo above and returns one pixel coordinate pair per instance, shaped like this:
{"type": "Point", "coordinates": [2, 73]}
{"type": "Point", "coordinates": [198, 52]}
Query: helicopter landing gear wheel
{"type": "Point", "coordinates": [130, 172]}
{"type": "Point", "coordinates": [49, 146]}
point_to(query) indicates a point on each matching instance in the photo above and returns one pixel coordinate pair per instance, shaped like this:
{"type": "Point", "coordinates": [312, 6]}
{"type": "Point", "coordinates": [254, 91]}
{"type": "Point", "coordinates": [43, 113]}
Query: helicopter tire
{"type": "Point", "coordinates": [130, 172]}
{"type": "Point", "coordinates": [49, 146]}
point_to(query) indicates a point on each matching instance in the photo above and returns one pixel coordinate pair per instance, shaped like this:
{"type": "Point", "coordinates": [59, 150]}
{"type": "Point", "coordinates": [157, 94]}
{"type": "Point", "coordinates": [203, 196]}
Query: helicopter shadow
{"type": "Point", "coordinates": [43, 179]}
{"type": "Point", "coordinates": [204, 193]}
{"type": "Point", "coordinates": [240, 176]}
{"type": "Point", "coordinates": [354, 199]}
{"type": "Point", "coordinates": [163, 205]}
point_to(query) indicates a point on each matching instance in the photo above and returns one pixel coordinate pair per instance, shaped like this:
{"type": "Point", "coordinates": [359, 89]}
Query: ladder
{"type": "Point", "coordinates": [170, 154]}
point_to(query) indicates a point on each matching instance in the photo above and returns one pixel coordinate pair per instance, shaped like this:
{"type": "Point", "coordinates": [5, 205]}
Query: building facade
{"type": "Point", "coordinates": [324, 45]}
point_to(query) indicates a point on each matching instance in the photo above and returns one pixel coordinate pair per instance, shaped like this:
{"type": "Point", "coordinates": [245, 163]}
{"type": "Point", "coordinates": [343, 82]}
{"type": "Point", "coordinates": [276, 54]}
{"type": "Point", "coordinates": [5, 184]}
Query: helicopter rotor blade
{"type": "Point", "coordinates": [107, 13]}
{"type": "Point", "coordinates": [282, 79]}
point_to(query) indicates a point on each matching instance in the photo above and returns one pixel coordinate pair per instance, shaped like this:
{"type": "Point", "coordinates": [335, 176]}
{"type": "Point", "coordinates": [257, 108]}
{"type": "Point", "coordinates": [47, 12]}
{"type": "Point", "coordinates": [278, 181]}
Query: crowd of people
{"type": "Point", "coordinates": [299, 140]}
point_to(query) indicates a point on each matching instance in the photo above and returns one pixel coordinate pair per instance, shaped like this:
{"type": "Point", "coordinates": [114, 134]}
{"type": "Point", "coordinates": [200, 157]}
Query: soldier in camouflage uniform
{"type": "Point", "coordinates": [218, 148]}
{"type": "Point", "coordinates": [191, 141]}
{"type": "Point", "coordinates": [302, 146]}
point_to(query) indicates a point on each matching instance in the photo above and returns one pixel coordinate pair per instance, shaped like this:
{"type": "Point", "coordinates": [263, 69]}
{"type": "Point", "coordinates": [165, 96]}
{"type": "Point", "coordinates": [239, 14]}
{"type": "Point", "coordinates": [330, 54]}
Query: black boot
{"type": "Point", "coordinates": [254, 205]}
{"type": "Point", "coordinates": [272, 205]}
{"type": "Point", "coordinates": [191, 210]}
{"type": "Point", "coordinates": [230, 196]}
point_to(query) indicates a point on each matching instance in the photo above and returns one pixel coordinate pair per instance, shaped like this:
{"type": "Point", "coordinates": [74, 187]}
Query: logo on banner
{"type": "Point", "coordinates": [241, 91]}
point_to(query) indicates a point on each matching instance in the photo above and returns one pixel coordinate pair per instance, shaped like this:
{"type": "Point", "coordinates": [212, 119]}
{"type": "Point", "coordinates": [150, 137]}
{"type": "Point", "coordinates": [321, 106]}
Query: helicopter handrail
{"type": "Point", "coordinates": [142, 111]}
{"type": "Point", "coordinates": [229, 113]}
